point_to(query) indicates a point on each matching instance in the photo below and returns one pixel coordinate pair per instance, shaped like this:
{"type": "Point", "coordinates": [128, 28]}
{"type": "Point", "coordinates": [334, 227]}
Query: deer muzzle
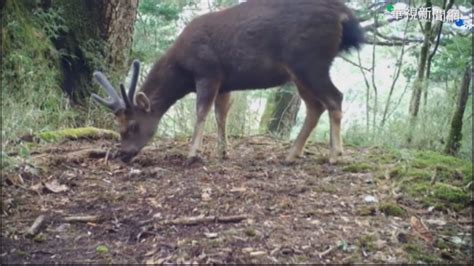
{"type": "Point", "coordinates": [126, 155]}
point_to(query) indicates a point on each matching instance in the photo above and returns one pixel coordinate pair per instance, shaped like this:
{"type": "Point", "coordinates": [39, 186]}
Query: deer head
{"type": "Point", "coordinates": [132, 112]}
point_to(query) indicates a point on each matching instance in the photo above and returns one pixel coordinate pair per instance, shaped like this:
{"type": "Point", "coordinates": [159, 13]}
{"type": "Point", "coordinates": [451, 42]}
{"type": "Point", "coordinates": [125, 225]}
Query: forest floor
{"type": "Point", "coordinates": [373, 206]}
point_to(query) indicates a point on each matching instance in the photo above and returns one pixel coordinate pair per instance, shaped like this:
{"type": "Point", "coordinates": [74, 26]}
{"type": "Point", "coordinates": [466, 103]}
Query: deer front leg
{"type": "Point", "coordinates": [221, 109]}
{"type": "Point", "coordinates": [206, 92]}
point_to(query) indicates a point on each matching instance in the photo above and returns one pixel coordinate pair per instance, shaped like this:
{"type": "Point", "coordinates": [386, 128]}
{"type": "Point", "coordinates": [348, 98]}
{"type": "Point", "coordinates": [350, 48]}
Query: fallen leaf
{"type": "Point", "coordinates": [456, 240]}
{"type": "Point", "coordinates": [438, 222]}
{"type": "Point", "coordinates": [55, 187]}
{"type": "Point", "coordinates": [206, 194]}
{"type": "Point", "coordinates": [211, 235]}
{"type": "Point", "coordinates": [134, 172]}
{"type": "Point", "coordinates": [16, 180]}
{"type": "Point", "coordinates": [150, 261]}
{"type": "Point", "coordinates": [247, 250]}
{"type": "Point", "coordinates": [421, 230]}
{"type": "Point", "coordinates": [238, 189]}
{"type": "Point", "coordinates": [38, 187]}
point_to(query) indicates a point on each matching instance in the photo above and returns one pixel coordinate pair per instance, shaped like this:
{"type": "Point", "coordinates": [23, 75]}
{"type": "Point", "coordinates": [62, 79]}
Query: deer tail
{"type": "Point", "coordinates": [352, 33]}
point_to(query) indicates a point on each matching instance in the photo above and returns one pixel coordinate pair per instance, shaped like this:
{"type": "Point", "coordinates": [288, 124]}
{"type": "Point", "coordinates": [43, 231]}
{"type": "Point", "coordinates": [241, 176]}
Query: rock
{"type": "Point", "coordinates": [370, 199]}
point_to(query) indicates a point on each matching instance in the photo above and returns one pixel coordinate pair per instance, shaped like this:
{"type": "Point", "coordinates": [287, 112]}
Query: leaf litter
{"type": "Point", "coordinates": [251, 208]}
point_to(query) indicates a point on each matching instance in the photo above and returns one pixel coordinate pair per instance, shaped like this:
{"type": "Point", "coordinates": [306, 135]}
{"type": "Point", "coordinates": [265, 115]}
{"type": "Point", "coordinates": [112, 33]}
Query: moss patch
{"type": "Point", "coordinates": [419, 254]}
{"type": "Point", "coordinates": [440, 195]}
{"type": "Point", "coordinates": [367, 242]}
{"type": "Point", "coordinates": [450, 193]}
{"type": "Point", "coordinates": [367, 211]}
{"type": "Point", "coordinates": [433, 179]}
{"type": "Point", "coordinates": [391, 209]}
{"type": "Point", "coordinates": [358, 168]}
{"type": "Point", "coordinates": [78, 133]}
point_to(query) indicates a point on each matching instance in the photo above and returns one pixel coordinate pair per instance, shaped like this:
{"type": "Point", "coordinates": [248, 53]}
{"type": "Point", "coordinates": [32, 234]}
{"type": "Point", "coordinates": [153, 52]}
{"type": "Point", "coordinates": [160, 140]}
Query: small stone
{"type": "Point", "coordinates": [370, 199]}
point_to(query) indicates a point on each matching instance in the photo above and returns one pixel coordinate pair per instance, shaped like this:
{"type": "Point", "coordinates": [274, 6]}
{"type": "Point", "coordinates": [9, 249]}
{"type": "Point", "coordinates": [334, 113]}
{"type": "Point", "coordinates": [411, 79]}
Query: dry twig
{"type": "Point", "coordinates": [327, 251]}
{"type": "Point", "coordinates": [205, 220]}
{"type": "Point", "coordinates": [82, 219]}
{"type": "Point", "coordinates": [36, 226]}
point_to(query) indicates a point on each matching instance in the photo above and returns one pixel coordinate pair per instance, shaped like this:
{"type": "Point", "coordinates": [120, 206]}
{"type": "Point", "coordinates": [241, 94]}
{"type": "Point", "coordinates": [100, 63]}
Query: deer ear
{"type": "Point", "coordinates": [143, 102]}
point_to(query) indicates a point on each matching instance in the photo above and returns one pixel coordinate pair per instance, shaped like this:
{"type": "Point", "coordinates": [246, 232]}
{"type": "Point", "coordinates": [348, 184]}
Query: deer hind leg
{"type": "Point", "coordinates": [221, 109]}
{"type": "Point", "coordinates": [318, 87]}
{"type": "Point", "coordinates": [333, 101]}
{"type": "Point", "coordinates": [314, 109]}
{"type": "Point", "coordinates": [206, 92]}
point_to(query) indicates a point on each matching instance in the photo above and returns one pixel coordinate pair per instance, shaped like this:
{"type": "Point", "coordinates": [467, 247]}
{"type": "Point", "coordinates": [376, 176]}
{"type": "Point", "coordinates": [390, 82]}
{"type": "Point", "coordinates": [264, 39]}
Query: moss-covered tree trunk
{"type": "Point", "coordinates": [280, 112]}
{"type": "Point", "coordinates": [98, 35]}
{"type": "Point", "coordinates": [455, 133]}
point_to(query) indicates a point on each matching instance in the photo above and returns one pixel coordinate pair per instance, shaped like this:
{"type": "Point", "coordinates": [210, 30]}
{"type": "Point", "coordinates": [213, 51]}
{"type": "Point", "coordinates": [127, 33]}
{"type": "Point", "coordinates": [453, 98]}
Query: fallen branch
{"type": "Point", "coordinates": [83, 219]}
{"type": "Point", "coordinates": [36, 226]}
{"type": "Point", "coordinates": [231, 219]}
{"type": "Point", "coordinates": [205, 220]}
{"type": "Point", "coordinates": [327, 251]}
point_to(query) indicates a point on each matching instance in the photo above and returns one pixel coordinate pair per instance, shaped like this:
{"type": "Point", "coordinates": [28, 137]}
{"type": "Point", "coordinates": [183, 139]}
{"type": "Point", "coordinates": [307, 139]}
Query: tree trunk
{"type": "Point", "coordinates": [117, 26]}
{"type": "Point", "coordinates": [99, 36]}
{"type": "Point", "coordinates": [419, 82]}
{"type": "Point", "coordinates": [455, 133]}
{"type": "Point", "coordinates": [280, 112]}
{"type": "Point", "coordinates": [439, 28]}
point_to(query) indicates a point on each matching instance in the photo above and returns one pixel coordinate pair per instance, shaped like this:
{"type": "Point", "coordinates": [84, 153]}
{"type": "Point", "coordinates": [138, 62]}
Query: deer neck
{"type": "Point", "coordinates": [164, 85]}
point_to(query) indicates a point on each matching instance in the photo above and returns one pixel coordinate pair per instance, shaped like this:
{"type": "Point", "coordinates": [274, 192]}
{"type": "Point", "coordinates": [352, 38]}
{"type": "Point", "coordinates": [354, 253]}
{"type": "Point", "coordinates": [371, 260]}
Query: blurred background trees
{"type": "Point", "coordinates": [408, 87]}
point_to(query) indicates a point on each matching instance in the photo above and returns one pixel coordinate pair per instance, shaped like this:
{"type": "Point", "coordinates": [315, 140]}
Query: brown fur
{"type": "Point", "coordinates": [253, 45]}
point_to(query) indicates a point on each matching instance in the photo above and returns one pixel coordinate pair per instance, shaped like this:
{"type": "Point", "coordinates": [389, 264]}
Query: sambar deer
{"type": "Point", "coordinates": [253, 45]}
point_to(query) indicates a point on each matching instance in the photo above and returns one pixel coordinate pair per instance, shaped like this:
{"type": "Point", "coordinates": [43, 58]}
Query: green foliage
{"type": "Point", "coordinates": [391, 209]}
{"type": "Point", "coordinates": [156, 27]}
{"type": "Point", "coordinates": [454, 55]}
{"type": "Point", "coordinates": [101, 249]}
{"type": "Point", "coordinates": [168, 10]}
{"type": "Point", "coordinates": [450, 193]}
{"type": "Point", "coordinates": [31, 95]}
{"type": "Point", "coordinates": [367, 242]}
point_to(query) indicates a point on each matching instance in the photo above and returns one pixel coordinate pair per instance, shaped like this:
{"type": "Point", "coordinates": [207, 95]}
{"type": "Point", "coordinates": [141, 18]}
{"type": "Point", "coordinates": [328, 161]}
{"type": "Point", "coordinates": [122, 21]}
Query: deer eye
{"type": "Point", "coordinates": [133, 127]}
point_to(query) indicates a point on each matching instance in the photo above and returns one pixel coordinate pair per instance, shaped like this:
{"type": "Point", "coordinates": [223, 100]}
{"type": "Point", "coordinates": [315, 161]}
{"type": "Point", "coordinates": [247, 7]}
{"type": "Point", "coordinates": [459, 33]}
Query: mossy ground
{"type": "Point", "coordinates": [78, 133]}
{"type": "Point", "coordinates": [431, 178]}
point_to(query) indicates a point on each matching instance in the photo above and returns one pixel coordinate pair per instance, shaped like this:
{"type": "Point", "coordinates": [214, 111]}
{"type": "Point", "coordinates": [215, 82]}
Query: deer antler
{"type": "Point", "coordinates": [115, 103]}
{"type": "Point", "coordinates": [133, 83]}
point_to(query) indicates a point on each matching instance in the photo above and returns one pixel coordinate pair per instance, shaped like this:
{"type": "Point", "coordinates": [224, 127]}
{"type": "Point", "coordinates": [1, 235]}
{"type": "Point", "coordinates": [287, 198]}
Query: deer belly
{"type": "Point", "coordinates": [255, 78]}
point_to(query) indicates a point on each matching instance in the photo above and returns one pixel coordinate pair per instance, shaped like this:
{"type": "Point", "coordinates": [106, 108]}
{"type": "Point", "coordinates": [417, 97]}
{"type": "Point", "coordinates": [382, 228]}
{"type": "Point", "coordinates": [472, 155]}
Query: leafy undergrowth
{"type": "Point", "coordinates": [374, 206]}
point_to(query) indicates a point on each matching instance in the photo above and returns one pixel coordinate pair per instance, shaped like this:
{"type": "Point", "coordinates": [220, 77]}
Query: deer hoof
{"type": "Point", "coordinates": [289, 161]}
{"type": "Point", "coordinates": [193, 160]}
{"type": "Point", "coordinates": [335, 158]}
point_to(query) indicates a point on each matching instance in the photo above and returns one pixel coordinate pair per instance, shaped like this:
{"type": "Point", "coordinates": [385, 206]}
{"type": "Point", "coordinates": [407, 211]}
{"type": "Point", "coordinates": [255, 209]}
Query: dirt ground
{"type": "Point", "coordinates": [251, 208]}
